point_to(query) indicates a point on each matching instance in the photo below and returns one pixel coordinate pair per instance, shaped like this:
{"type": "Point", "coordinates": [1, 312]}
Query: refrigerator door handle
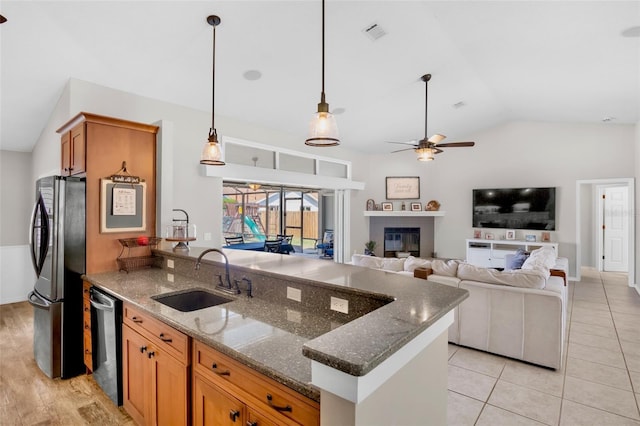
{"type": "Point", "coordinates": [43, 226]}
{"type": "Point", "coordinates": [38, 302]}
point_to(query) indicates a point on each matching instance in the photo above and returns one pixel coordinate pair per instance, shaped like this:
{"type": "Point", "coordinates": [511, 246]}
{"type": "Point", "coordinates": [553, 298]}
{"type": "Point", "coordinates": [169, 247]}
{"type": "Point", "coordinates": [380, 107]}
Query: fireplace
{"type": "Point", "coordinates": [400, 242]}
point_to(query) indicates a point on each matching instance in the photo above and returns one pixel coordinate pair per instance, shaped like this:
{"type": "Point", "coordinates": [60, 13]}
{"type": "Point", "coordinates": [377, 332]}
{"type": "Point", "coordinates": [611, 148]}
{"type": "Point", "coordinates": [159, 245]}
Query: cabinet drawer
{"type": "Point", "coordinates": [253, 388]}
{"type": "Point", "coordinates": [163, 335]}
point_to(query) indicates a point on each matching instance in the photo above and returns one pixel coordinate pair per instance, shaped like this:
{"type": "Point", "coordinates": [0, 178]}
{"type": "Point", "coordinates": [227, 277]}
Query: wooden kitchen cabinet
{"type": "Point", "coordinates": [86, 312]}
{"type": "Point", "coordinates": [73, 160]}
{"type": "Point", "coordinates": [95, 147]}
{"type": "Point", "coordinates": [155, 369]}
{"type": "Point", "coordinates": [223, 386]}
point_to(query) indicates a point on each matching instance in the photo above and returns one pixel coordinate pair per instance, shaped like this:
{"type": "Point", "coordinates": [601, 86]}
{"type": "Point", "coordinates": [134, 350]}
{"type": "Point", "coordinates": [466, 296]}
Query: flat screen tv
{"type": "Point", "coordinates": [515, 208]}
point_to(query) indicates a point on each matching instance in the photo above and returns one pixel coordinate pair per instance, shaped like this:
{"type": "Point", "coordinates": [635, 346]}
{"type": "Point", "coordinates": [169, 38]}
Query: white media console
{"type": "Point", "coordinates": [491, 253]}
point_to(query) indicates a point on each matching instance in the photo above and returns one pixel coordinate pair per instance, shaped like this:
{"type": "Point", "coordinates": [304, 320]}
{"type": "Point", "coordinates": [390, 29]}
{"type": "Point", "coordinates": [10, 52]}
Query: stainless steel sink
{"type": "Point", "coordinates": [192, 300]}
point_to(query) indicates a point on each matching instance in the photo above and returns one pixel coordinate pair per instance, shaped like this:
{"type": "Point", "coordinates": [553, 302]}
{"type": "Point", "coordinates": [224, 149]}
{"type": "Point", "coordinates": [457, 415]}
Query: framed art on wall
{"type": "Point", "coordinates": [403, 188]}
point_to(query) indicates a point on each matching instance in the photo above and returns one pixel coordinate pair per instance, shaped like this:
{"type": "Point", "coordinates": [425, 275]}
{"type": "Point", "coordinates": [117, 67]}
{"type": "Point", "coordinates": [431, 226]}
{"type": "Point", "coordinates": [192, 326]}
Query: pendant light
{"type": "Point", "coordinates": [211, 153]}
{"type": "Point", "coordinates": [323, 130]}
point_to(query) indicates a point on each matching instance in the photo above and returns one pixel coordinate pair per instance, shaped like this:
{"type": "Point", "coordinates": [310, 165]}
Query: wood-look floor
{"type": "Point", "coordinates": [28, 397]}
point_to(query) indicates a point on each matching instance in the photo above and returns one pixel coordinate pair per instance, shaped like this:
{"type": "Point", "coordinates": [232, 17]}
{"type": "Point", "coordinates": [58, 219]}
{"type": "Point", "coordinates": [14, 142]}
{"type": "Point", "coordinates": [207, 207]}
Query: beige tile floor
{"type": "Point", "coordinates": [599, 383]}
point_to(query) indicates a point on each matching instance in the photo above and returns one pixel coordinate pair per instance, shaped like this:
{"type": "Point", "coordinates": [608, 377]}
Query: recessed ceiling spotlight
{"type": "Point", "coordinates": [252, 75]}
{"type": "Point", "coordinates": [632, 32]}
{"type": "Point", "coordinates": [338, 111]}
{"type": "Point", "coordinates": [608, 119]}
{"type": "Point", "coordinates": [459, 105]}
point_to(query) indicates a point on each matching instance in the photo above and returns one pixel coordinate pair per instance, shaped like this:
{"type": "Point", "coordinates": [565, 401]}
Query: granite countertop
{"type": "Point", "coordinates": [279, 341]}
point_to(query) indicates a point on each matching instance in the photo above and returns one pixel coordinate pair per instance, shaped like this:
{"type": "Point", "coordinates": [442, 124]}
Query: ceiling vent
{"type": "Point", "coordinates": [374, 31]}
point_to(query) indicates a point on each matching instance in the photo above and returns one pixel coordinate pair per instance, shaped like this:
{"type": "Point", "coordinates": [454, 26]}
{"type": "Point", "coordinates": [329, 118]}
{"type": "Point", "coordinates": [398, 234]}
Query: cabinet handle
{"type": "Point", "coordinates": [250, 423]}
{"type": "Point", "coordinates": [233, 415]}
{"type": "Point", "coordinates": [87, 351]}
{"type": "Point", "coordinates": [86, 309]}
{"type": "Point", "coordinates": [277, 407]}
{"type": "Point", "coordinates": [136, 319]}
{"type": "Point", "coordinates": [151, 354]}
{"type": "Point", "coordinates": [87, 327]}
{"type": "Point", "coordinates": [214, 366]}
{"type": "Point", "coordinates": [165, 339]}
{"type": "Point", "coordinates": [143, 349]}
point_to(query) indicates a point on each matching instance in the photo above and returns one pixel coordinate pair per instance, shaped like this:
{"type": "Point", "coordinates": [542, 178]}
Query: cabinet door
{"type": "Point", "coordinates": [136, 377]}
{"type": "Point", "coordinates": [77, 150]}
{"type": "Point", "coordinates": [479, 257]}
{"type": "Point", "coordinates": [213, 407]}
{"type": "Point", "coordinates": [169, 378]}
{"type": "Point", "coordinates": [65, 155]}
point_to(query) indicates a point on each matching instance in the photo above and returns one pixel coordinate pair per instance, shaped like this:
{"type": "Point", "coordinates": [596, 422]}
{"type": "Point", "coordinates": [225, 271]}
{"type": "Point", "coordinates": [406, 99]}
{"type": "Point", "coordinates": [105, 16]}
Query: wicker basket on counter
{"type": "Point", "coordinates": [132, 263]}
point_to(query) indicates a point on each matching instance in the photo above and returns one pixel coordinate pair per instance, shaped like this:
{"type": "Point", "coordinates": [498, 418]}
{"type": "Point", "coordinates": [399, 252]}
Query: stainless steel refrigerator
{"type": "Point", "coordinates": [57, 239]}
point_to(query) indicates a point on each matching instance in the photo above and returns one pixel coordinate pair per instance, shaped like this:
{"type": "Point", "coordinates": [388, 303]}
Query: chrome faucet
{"type": "Point", "coordinates": [226, 284]}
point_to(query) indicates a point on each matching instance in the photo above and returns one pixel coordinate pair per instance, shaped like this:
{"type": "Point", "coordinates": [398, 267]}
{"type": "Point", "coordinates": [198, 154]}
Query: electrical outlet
{"type": "Point", "coordinates": [340, 305]}
{"type": "Point", "coordinates": [294, 294]}
{"type": "Point", "coordinates": [294, 316]}
{"type": "Point", "coordinates": [170, 263]}
{"type": "Point", "coordinates": [170, 278]}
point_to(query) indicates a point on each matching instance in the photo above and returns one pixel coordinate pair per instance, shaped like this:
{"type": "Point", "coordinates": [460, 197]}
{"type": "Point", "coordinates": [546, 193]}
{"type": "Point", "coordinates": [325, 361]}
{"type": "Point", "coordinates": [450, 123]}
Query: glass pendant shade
{"type": "Point", "coordinates": [323, 130]}
{"type": "Point", "coordinates": [211, 152]}
{"type": "Point", "coordinates": [424, 154]}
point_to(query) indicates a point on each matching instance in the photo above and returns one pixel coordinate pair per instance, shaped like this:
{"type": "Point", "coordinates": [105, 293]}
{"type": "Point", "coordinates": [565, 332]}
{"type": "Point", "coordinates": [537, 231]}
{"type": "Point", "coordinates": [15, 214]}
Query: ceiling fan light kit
{"type": "Point", "coordinates": [427, 147]}
{"type": "Point", "coordinates": [323, 129]}
{"type": "Point", "coordinates": [212, 152]}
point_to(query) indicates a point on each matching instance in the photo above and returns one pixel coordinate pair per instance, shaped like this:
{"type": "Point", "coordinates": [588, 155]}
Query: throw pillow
{"type": "Point", "coordinates": [516, 261]}
{"type": "Point", "coordinates": [411, 263]}
{"type": "Point", "coordinates": [541, 259]}
{"type": "Point", "coordinates": [367, 261]}
{"type": "Point", "coordinates": [448, 268]}
{"type": "Point", "coordinates": [394, 265]}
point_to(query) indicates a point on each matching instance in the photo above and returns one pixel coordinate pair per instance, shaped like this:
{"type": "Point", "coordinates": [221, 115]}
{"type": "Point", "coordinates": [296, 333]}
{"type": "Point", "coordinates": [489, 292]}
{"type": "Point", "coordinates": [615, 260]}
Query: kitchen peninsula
{"type": "Point", "coordinates": [381, 360]}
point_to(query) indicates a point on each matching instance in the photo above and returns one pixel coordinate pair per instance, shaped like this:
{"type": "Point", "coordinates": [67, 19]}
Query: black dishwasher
{"type": "Point", "coordinates": [106, 337]}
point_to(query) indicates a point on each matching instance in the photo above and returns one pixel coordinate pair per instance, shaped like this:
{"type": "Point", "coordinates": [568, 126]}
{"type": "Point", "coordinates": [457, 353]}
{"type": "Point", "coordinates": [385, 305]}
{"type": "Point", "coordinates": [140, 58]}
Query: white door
{"type": "Point", "coordinates": [616, 229]}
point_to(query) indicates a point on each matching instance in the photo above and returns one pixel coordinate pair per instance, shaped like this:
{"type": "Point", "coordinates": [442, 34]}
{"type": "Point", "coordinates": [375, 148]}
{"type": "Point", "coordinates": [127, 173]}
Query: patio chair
{"type": "Point", "coordinates": [273, 246]}
{"type": "Point", "coordinates": [326, 246]}
{"type": "Point", "coordinates": [234, 240]}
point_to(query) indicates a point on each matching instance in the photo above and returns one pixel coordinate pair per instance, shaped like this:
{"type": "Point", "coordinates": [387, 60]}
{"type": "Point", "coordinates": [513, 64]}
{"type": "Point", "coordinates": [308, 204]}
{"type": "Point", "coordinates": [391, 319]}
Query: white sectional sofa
{"type": "Point", "coordinates": [516, 313]}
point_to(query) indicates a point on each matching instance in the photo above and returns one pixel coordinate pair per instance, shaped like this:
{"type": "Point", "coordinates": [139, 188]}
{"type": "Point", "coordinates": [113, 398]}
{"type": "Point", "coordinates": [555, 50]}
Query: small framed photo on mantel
{"type": "Point", "coordinates": [387, 207]}
{"type": "Point", "coordinates": [510, 234]}
{"type": "Point", "coordinates": [416, 207]}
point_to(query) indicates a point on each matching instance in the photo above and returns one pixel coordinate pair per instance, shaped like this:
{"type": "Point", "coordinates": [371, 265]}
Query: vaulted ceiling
{"type": "Point", "coordinates": [491, 61]}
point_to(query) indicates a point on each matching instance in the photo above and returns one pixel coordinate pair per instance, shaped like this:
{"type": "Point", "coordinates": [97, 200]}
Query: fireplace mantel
{"type": "Point", "coordinates": [403, 213]}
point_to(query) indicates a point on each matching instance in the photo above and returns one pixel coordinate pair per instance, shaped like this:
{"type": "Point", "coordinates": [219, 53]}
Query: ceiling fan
{"type": "Point", "coordinates": [426, 148]}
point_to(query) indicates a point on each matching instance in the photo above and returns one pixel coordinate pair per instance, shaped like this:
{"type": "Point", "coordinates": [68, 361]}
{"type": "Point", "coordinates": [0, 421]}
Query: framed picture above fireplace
{"type": "Point", "coordinates": [403, 188]}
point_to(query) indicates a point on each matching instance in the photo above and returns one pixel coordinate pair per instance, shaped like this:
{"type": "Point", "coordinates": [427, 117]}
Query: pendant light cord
{"type": "Point", "coordinates": [213, 83]}
{"type": "Point", "coordinates": [322, 96]}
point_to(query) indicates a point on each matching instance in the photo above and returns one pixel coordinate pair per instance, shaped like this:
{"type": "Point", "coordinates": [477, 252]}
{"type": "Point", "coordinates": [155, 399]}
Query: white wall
{"type": "Point", "coordinates": [16, 198]}
{"type": "Point", "coordinates": [637, 206]}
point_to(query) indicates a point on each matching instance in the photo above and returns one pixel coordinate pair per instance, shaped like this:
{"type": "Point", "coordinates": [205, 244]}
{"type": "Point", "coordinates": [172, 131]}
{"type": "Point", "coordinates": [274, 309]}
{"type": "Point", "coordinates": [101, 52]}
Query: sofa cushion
{"type": "Point", "coordinates": [541, 259]}
{"type": "Point", "coordinates": [367, 261]}
{"type": "Point", "coordinates": [442, 279]}
{"type": "Point", "coordinates": [393, 264]}
{"type": "Point", "coordinates": [516, 260]}
{"type": "Point", "coordinates": [517, 278]}
{"type": "Point", "coordinates": [445, 268]}
{"type": "Point", "coordinates": [411, 263]}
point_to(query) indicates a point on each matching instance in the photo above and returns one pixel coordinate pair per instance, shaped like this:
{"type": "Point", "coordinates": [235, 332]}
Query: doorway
{"type": "Point", "coordinates": [590, 218]}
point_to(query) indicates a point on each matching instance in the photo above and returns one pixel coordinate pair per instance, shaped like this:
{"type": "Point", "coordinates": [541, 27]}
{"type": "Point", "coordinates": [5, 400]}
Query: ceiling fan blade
{"type": "Point", "coordinates": [400, 150]}
{"type": "Point", "coordinates": [413, 143]}
{"type": "Point", "coordinates": [455, 144]}
{"type": "Point", "coordinates": [437, 138]}
{"type": "Point", "coordinates": [437, 151]}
